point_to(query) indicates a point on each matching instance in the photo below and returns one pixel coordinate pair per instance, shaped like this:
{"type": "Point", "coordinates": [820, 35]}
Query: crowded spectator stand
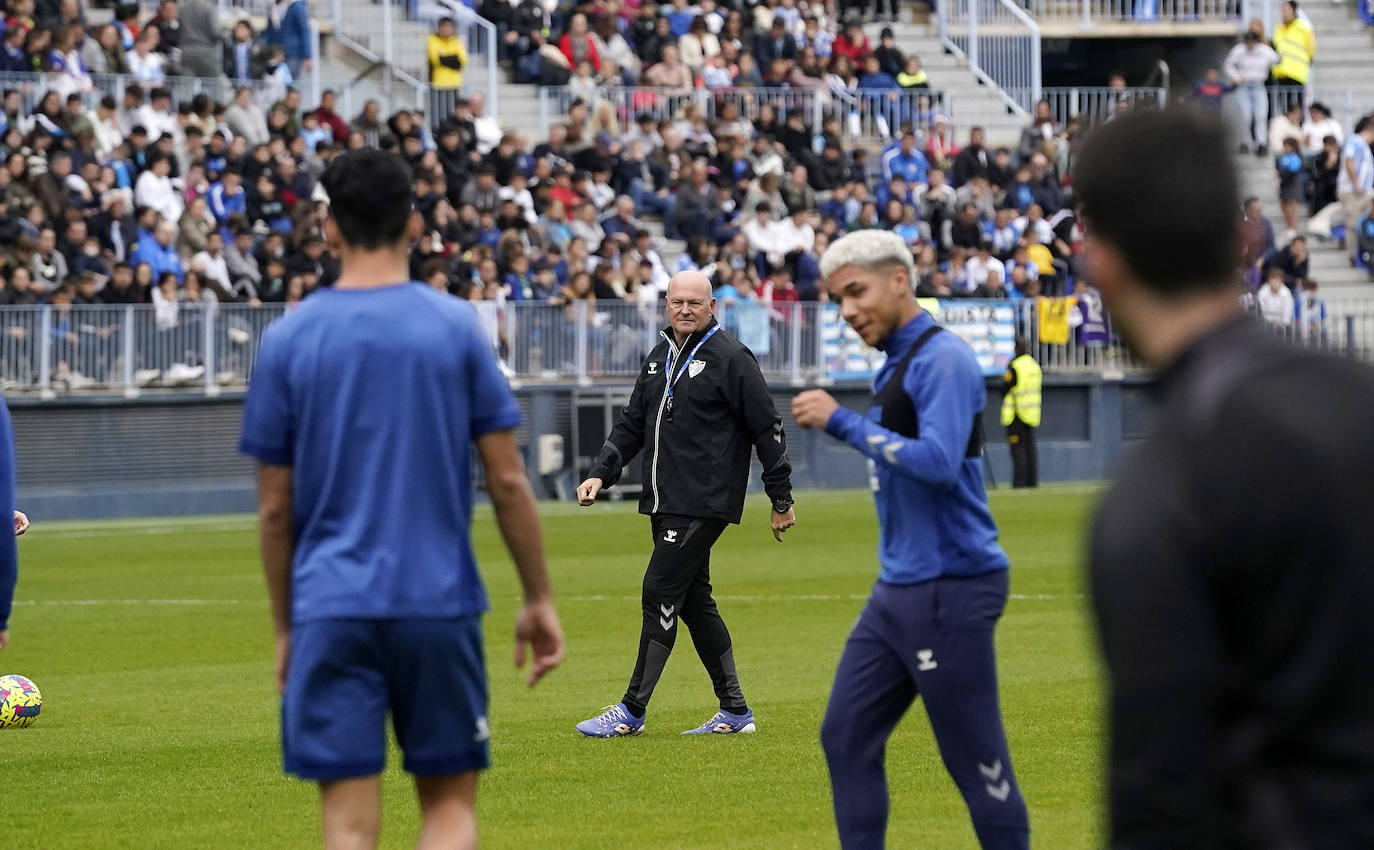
{"type": "Point", "coordinates": [206, 207]}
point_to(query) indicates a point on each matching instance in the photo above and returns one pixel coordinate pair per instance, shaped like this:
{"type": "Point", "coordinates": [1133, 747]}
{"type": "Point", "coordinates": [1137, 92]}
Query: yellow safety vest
{"type": "Point", "coordinates": [1022, 401]}
{"type": "Point", "coordinates": [1296, 47]}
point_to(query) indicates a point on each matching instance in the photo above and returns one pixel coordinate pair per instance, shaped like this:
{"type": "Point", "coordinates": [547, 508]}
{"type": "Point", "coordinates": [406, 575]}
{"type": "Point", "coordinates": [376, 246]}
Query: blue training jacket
{"type": "Point", "coordinates": [9, 552]}
{"type": "Point", "coordinates": [932, 508]}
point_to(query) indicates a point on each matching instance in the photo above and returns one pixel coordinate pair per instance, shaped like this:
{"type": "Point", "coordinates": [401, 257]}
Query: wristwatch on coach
{"type": "Point", "coordinates": [782, 506]}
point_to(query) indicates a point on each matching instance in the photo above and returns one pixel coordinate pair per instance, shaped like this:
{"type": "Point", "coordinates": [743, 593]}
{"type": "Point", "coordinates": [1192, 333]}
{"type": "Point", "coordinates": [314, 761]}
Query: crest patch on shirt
{"type": "Point", "coordinates": [694, 368]}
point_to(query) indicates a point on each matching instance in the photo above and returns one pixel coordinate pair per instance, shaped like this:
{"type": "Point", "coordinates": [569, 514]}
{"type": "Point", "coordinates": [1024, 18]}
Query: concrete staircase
{"type": "Point", "coordinates": [973, 103]}
{"type": "Point", "coordinates": [1329, 264]}
{"type": "Point", "coordinates": [1343, 77]}
{"type": "Point", "coordinates": [1345, 58]}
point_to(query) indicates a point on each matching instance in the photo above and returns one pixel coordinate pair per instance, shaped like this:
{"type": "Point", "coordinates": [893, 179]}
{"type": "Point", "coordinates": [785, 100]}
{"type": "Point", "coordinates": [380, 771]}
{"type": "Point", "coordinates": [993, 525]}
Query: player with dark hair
{"type": "Point", "coordinates": [1231, 569]}
{"type": "Point", "coordinates": [928, 627]}
{"type": "Point", "coordinates": [365, 401]}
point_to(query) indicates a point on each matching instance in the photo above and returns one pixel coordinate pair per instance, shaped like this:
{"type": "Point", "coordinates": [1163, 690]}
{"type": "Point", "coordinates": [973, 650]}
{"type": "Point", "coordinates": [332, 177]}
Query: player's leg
{"type": "Point", "coordinates": [351, 811]}
{"type": "Point", "coordinates": [333, 716]}
{"type": "Point", "coordinates": [955, 666]}
{"type": "Point", "coordinates": [711, 637]}
{"type": "Point", "coordinates": [872, 690]}
{"type": "Point", "coordinates": [1016, 439]}
{"type": "Point", "coordinates": [448, 811]}
{"type": "Point", "coordinates": [679, 545]}
{"type": "Point", "coordinates": [437, 687]}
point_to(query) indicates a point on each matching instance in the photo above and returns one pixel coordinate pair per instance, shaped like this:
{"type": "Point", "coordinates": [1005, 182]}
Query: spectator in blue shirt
{"type": "Point", "coordinates": [906, 161]}
{"type": "Point", "coordinates": [375, 618]}
{"type": "Point", "coordinates": [159, 252]}
{"type": "Point", "coordinates": [227, 197]}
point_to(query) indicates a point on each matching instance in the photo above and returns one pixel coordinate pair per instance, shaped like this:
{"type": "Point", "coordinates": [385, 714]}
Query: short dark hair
{"type": "Point", "coordinates": [1160, 187]}
{"type": "Point", "coordinates": [370, 197]}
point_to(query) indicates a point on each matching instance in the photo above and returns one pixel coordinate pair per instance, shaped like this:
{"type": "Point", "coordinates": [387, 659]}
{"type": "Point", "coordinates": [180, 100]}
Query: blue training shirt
{"type": "Point", "coordinates": [932, 508]}
{"type": "Point", "coordinates": [374, 398]}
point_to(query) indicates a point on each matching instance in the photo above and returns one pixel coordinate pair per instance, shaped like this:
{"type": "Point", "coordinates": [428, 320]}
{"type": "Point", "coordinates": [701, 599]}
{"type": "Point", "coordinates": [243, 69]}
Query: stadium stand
{"type": "Point", "coordinates": [733, 137]}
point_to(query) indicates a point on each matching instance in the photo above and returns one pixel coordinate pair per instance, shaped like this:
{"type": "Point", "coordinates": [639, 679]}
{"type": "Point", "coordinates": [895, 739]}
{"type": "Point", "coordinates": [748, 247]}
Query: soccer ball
{"type": "Point", "coordinates": [20, 702]}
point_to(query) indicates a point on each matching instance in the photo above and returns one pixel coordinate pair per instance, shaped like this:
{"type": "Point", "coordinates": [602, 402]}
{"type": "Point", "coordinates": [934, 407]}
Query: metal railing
{"type": "Point", "coordinates": [1001, 44]}
{"type": "Point", "coordinates": [1341, 99]}
{"type": "Point", "coordinates": [405, 61]}
{"type": "Point", "coordinates": [55, 349]}
{"type": "Point", "coordinates": [1093, 104]}
{"type": "Point", "coordinates": [869, 115]}
{"type": "Point", "coordinates": [352, 94]}
{"type": "Point", "coordinates": [1088, 13]}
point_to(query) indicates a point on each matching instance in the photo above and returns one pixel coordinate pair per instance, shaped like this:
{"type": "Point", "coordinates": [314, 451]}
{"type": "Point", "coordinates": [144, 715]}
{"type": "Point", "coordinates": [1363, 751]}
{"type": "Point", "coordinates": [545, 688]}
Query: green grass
{"type": "Point", "coordinates": [151, 645]}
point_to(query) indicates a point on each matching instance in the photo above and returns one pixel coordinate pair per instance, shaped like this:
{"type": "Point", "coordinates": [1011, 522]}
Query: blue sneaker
{"type": "Point", "coordinates": [613, 722]}
{"type": "Point", "coordinates": [725, 723]}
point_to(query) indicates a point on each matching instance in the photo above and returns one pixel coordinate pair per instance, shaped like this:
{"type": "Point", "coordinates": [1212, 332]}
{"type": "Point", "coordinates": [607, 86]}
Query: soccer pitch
{"type": "Point", "coordinates": [151, 644]}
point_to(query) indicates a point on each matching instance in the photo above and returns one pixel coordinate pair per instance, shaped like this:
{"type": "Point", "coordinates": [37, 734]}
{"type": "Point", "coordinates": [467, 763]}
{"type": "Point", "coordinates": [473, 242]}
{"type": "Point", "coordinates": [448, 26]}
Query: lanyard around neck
{"type": "Point", "coordinates": [686, 361]}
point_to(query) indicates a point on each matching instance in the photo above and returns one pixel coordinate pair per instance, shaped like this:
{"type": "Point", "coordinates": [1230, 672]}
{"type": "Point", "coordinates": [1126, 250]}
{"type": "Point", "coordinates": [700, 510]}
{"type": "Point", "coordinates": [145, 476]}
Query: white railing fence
{"type": "Point", "coordinates": [1093, 105]}
{"type": "Point", "coordinates": [53, 349]}
{"type": "Point", "coordinates": [351, 94]}
{"type": "Point", "coordinates": [1089, 13]}
{"type": "Point", "coordinates": [1001, 44]}
{"type": "Point", "coordinates": [867, 115]}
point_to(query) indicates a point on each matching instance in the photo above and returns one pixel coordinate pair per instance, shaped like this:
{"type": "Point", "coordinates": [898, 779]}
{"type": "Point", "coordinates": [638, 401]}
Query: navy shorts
{"type": "Point", "coordinates": [345, 675]}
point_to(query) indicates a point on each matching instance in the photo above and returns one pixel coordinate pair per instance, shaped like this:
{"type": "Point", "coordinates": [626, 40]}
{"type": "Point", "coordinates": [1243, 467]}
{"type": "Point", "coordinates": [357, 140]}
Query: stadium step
{"type": "Point", "coordinates": [974, 104]}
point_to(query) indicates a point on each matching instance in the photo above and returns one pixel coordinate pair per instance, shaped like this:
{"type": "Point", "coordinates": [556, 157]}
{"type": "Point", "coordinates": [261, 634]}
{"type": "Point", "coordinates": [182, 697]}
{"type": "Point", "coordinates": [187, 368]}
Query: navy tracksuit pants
{"type": "Point", "coordinates": [935, 640]}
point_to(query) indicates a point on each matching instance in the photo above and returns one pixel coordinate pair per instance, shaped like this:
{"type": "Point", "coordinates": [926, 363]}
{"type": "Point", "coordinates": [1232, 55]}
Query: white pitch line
{"type": "Point", "coordinates": [138, 531]}
{"type": "Point", "coordinates": [803, 597]}
{"type": "Point", "coordinates": [82, 603]}
{"type": "Point", "coordinates": [799, 597]}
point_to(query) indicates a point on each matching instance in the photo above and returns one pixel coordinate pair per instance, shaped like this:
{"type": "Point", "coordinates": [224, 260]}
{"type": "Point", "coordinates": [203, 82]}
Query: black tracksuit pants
{"type": "Point", "coordinates": [1025, 460]}
{"type": "Point", "coordinates": [677, 586]}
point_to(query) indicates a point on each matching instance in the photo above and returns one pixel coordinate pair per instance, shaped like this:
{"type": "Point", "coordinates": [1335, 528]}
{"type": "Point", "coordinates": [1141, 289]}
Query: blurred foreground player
{"type": "Point", "coordinates": [367, 401]}
{"type": "Point", "coordinates": [927, 629]}
{"type": "Point", "coordinates": [9, 552]}
{"type": "Point", "coordinates": [1231, 566]}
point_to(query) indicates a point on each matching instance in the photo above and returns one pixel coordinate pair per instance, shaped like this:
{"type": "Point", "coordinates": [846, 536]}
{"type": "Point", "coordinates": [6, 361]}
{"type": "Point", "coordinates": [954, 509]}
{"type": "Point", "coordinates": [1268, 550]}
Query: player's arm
{"type": "Point", "coordinates": [276, 541]}
{"type": "Point", "coordinates": [944, 390]}
{"type": "Point", "coordinates": [9, 549]}
{"type": "Point", "coordinates": [509, 487]}
{"type": "Point", "coordinates": [268, 436]}
{"type": "Point", "coordinates": [753, 406]}
{"type": "Point", "coordinates": [494, 415]}
{"type": "Point", "coordinates": [624, 442]}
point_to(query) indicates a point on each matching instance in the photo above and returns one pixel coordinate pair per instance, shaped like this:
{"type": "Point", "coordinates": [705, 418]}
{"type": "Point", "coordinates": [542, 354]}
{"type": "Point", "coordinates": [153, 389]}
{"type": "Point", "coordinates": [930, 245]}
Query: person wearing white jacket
{"type": "Point", "coordinates": [1247, 66]}
{"type": "Point", "coordinates": [1275, 302]}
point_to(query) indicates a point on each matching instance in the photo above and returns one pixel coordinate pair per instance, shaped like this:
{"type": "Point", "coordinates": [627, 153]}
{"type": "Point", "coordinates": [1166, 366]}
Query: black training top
{"type": "Point", "coordinates": [697, 431]}
{"type": "Point", "coordinates": [1233, 580]}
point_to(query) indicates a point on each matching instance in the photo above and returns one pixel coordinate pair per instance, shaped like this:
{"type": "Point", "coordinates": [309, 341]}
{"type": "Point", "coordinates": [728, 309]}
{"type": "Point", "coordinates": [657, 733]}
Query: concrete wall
{"type": "Point", "coordinates": [178, 455]}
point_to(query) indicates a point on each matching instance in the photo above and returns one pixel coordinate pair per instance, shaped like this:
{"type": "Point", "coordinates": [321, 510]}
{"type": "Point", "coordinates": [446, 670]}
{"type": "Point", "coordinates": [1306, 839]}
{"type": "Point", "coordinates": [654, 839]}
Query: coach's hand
{"type": "Point", "coordinates": [537, 626]}
{"type": "Point", "coordinates": [782, 522]}
{"type": "Point", "coordinates": [586, 492]}
{"type": "Point", "coordinates": [813, 408]}
{"type": "Point", "coordinates": [21, 523]}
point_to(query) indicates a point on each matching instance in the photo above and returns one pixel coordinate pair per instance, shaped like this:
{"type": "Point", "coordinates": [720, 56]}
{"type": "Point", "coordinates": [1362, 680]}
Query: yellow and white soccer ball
{"type": "Point", "coordinates": [20, 702]}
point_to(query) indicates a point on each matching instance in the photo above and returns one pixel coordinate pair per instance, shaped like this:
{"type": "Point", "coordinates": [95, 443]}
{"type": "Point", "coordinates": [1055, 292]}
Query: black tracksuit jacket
{"type": "Point", "coordinates": [696, 447]}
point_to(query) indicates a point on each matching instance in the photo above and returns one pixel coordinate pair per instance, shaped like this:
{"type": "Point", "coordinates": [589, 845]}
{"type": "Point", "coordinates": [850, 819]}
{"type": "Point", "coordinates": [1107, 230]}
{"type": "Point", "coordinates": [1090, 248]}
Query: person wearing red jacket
{"type": "Point", "coordinates": [327, 117]}
{"type": "Point", "coordinates": [577, 46]}
{"type": "Point", "coordinates": [853, 43]}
